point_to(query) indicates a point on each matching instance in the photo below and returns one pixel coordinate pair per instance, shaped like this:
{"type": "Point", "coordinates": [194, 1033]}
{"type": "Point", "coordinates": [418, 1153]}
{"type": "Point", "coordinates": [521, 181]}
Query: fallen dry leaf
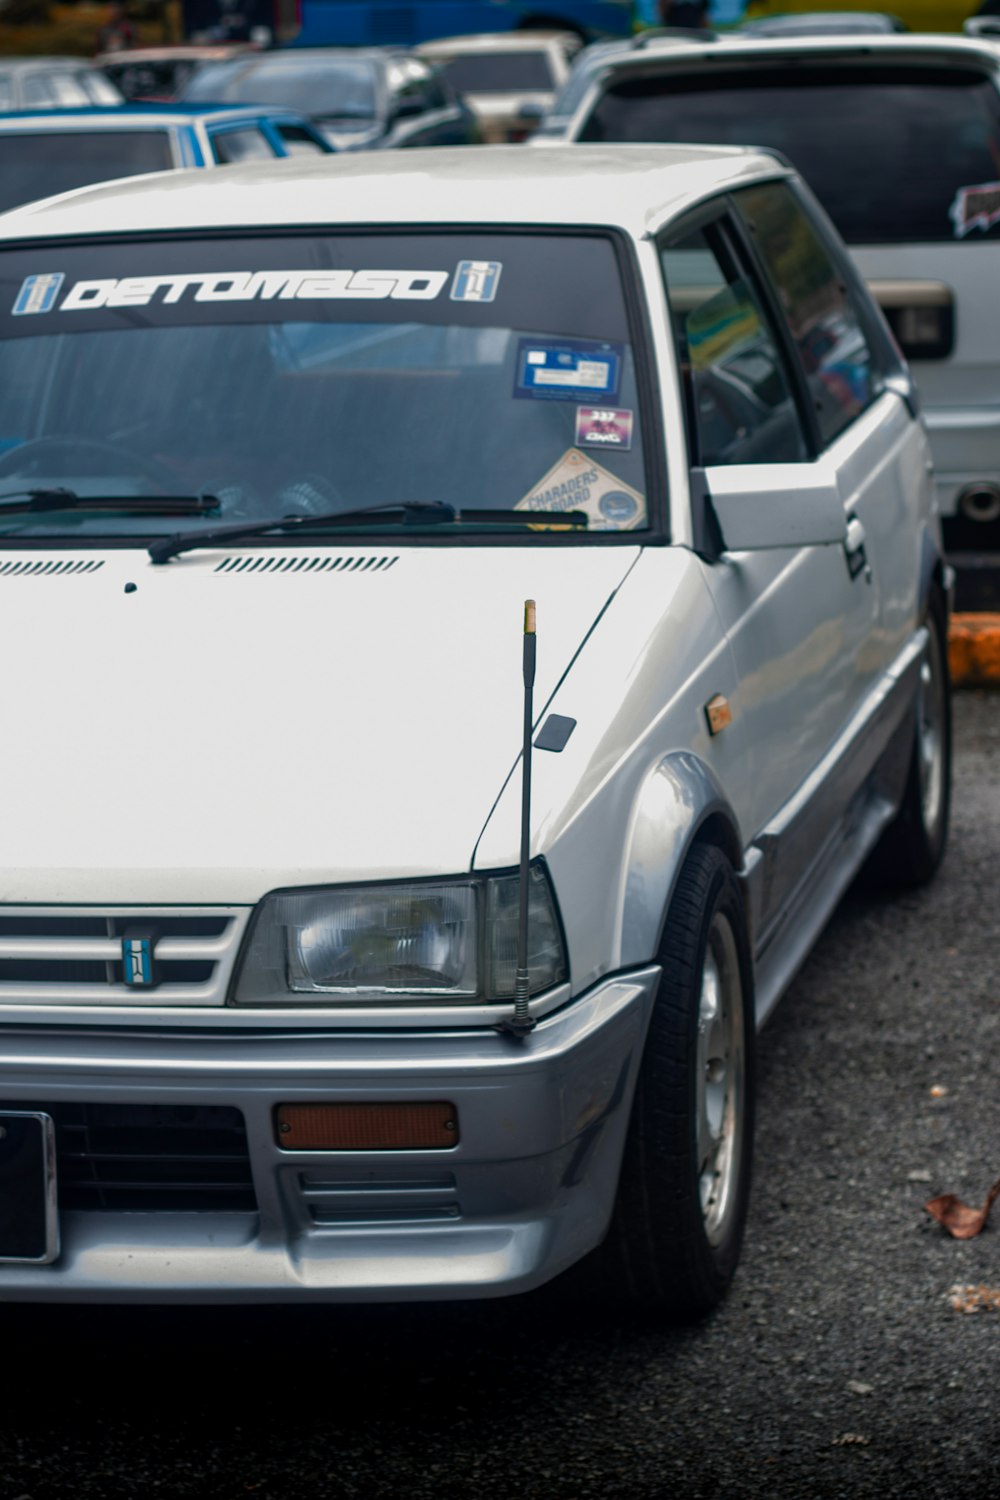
{"type": "Point", "coordinates": [939, 1090]}
{"type": "Point", "coordinates": [851, 1440]}
{"type": "Point", "coordinates": [860, 1387]}
{"type": "Point", "coordinates": [961, 1221]}
{"type": "Point", "coordinates": [969, 1299]}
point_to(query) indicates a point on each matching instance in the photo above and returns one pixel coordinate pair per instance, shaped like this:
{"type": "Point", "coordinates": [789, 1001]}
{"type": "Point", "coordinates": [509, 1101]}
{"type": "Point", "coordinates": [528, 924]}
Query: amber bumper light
{"type": "Point", "coordinates": [367, 1127]}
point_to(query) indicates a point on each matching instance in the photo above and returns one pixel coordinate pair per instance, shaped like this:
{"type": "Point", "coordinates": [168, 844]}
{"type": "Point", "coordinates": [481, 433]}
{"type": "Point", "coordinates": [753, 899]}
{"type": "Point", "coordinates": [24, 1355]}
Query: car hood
{"type": "Point", "coordinates": [239, 722]}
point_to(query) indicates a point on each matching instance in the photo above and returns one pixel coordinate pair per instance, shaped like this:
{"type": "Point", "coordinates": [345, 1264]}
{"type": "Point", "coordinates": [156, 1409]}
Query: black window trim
{"type": "Point", "coordinates": [858, 303]}
{"type": "Point", "coordinates": [720, 212]}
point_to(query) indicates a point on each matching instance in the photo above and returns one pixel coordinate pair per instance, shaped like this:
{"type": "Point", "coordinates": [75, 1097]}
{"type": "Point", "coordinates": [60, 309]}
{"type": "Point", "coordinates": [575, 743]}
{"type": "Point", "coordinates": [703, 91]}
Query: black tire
{"type": "Point", "coordinates": [668, 1249]}
{"type": "Point", "coordinates": [912, 847]}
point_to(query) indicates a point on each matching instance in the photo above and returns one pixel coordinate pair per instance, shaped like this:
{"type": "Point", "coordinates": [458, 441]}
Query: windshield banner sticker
{"type": "Point", "coordinates": [603, 427]}
{"type": "Point", "coordinates": [578, 482]}
{"type": "Point", "coordinates": [975, 208]}
{"type": "Point", "coordinates": [476, 280]}
{"type": "Point", "coordinates": [567, 370]}
{"type": "Point", "coordinates": [38, 293]}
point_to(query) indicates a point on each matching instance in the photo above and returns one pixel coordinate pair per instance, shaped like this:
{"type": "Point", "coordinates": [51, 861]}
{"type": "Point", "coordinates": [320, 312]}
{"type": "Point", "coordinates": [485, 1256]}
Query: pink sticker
{"type": "Point", "coordinates": [603, 427]}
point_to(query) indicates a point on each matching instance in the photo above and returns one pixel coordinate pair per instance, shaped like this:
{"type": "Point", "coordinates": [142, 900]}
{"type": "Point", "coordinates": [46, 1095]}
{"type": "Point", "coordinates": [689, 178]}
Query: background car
{"type": "Point", "coordinates": [43, 154]}
{"type": "Point", "coordinates": [899, 136]}
{"type": "Point", "coordinates": [160, 72]}
{"type": "Point", "coordinates": [54, 83]}
{"type": "Point", "coordinates": [359, 99]}
{"type": "Point", "coordinates": [824, 23]}
{"type": "Point", "coordinates": [505, 77]}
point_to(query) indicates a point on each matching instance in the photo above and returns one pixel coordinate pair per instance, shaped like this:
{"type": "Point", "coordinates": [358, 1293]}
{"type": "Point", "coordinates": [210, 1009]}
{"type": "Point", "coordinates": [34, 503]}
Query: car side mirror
{"type": "Point", "coordinates": [763, 507]}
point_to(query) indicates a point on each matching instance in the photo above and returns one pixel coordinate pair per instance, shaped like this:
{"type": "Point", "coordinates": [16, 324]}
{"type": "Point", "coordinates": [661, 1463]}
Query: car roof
{"type": "Point", "coordinates": [138, 116]}
{"type": "Point", "coordinates": [735, 50]}
{"type": "Point", "coordinates": [182, 52]}
{"type": "Point", "coordinates": [632, 187]}
{"type": "Point", "coordinates": [498, 41]}
{"type": "Point", "coordinates": [29, 64]}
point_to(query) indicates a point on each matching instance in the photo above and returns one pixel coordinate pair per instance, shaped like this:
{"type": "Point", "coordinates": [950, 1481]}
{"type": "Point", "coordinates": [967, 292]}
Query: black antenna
{"type": "Point", "coordinates": [520, 1023]}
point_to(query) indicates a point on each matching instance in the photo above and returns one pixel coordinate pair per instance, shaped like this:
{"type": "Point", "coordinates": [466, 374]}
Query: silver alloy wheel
{"type": "Point", "coordinates": [721, 1079]}
{"type": "Point", "coordinates": [931, 710]}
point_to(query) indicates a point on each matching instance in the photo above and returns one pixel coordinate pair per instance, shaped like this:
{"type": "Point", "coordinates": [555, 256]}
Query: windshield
{"type": "Point", "coordinates": [36, 166]}
{"type": "Point", "coordinates": [896, 154]}
{"type": "Point", "coordinates": [305, 374]}
{"type": "Point", "coordinates": [336, 89]}
{"type": "Point", "coordinates": [498, 72]}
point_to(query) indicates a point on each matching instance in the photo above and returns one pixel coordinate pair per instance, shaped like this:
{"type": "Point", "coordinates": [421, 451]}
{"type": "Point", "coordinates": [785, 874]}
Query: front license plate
{"type": "Point", "coordinates": [29, 1223]}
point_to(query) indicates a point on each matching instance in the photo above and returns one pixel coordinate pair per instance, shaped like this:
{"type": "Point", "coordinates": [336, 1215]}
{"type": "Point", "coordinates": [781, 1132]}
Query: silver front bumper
{"type": "Point", "coordinates": [527, 1190]}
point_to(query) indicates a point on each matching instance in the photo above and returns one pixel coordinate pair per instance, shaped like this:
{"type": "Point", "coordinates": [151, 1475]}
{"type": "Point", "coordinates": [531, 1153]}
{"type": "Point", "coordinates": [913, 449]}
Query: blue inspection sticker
{"type": "Point", "coordinates": [568, 370]}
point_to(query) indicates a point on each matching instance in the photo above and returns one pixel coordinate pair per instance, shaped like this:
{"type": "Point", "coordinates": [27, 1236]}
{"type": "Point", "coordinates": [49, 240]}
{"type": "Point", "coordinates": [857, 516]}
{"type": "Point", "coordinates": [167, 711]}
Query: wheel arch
{"type": "Point", "coordinates": [681, 804]}
{"type": "Point", "coordinates": [935, 575]}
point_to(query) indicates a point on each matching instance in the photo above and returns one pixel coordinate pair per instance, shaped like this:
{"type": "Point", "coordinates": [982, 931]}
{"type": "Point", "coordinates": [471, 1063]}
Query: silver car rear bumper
{"type": "Point", "coordinates": [527, 1190]}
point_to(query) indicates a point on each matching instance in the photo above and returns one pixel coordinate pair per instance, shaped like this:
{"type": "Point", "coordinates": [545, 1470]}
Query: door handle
{"type": "Point", "coordinates": [854, 549]}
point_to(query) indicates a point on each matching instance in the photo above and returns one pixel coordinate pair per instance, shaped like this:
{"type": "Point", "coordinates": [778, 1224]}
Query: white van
{"type": "Point", "coordinates": [899, 137]}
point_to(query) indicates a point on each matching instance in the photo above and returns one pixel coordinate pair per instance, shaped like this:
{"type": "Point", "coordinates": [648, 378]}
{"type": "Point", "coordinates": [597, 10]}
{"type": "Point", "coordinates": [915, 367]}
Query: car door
{"type": "Point", "coordinates": [799, 617]}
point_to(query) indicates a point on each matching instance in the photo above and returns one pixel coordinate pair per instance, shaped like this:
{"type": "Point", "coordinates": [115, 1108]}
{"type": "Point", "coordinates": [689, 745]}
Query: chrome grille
{"type": "Point", "coordinates": [74, 956]}
{"type": "Point", "coordinates": [149, 1157]}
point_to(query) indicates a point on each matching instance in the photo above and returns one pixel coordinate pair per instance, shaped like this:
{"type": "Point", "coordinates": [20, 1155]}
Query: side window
{"type": "Point", "coordinates": [839, 367]}
{"type": "Point", "coordinates": [241, 145]}
{"type": "Point", "coordinates": [298, 141]}
{"type": "Point", "coordinates": [37, 92]}
{"type": "Point", "coordinates": [741, 409]}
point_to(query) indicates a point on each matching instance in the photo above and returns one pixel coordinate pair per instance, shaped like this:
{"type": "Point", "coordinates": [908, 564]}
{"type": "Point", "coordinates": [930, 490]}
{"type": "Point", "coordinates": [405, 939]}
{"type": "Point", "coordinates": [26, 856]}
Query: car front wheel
{"type": "Point", "coordinates": [677, 1227]}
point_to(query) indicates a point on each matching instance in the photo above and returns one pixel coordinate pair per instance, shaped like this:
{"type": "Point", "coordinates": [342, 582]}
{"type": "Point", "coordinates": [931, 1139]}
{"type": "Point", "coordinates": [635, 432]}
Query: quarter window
{"type": "Point", "coordinates": [240, 145]}
{"type": "Point", "coordinates": [741, 409]}
{"type": "Point", "coordinates": [819, 308]}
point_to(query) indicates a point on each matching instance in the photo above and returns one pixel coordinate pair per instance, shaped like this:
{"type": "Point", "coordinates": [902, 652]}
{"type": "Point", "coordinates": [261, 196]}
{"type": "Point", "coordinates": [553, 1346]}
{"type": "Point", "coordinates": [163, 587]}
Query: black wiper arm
{"type": "Point", "coordinates": [25, 502]}
{"type": "Point", "coordinates": [413, 513]}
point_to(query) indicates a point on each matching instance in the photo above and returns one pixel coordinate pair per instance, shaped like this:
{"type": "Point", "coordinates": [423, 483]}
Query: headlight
{"type": "Point", "coordinates": [418, 940]}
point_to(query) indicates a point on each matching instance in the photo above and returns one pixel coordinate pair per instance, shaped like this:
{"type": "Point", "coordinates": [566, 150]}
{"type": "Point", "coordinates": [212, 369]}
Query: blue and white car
{"type": "Point", "coordinates": [47, 152]}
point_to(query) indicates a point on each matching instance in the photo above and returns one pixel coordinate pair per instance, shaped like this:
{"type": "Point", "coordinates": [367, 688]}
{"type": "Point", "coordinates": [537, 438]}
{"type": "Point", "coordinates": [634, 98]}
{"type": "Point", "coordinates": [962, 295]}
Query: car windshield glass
{"type": "Point", "coordinates": [498, 72]}
{"type": "Point", "coordinates": [305, 374]}
{"type": "Point", "coordinates": [896, 154]}
{"type": "Point", "coordinates": [36, 166]}
{"type": "Point", "coordinates": [337, 89]}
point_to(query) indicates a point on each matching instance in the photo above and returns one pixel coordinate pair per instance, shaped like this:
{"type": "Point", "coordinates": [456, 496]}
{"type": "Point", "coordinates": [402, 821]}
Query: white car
{"type": "Point", "coordinates": [341, 955]}
{"type": "Point", "coordinates": [899, 137]}
{"type": "Point", "coordinates": [508, 79]}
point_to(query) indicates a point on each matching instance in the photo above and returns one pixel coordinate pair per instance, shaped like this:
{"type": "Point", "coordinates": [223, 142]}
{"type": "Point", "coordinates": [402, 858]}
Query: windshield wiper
{"type": "Point", "coordinates": [413, 513]}
{"type": "Point", "coordinates": [26, 502]}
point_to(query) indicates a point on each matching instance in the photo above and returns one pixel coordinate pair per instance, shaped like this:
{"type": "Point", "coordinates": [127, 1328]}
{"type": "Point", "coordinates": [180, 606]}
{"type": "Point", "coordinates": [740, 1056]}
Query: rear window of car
{"type": "Point", "coordinates": [342, 89]}
{"type": "Point", "coordinates": [498, 72]}
{"type": "Point", "coordinates": [37, 166]}
{"type": "Point", "coordinates": [896, 154]}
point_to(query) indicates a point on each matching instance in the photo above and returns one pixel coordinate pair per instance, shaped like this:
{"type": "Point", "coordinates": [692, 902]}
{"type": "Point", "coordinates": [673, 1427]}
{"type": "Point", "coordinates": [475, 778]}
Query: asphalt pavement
{"type": "Point", "coordinates": [838, 1367]}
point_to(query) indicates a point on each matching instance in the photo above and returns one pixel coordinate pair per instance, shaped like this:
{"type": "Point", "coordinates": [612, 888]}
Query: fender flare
{"type": "Point", "coordinates": [680, 803]}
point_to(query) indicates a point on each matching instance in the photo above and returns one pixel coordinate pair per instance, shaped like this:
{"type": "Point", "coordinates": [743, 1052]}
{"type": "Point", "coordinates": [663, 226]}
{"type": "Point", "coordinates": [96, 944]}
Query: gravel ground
{"type": "Point", "coordinates": [837, 1368]}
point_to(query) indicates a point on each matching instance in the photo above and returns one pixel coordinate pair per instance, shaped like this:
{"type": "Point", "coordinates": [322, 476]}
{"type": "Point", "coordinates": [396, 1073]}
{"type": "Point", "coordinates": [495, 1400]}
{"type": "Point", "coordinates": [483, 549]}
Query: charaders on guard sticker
{"type": "Point", "coordinates": [578, 482]}
{"type": "Point", "coordinates": [473, 281]}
